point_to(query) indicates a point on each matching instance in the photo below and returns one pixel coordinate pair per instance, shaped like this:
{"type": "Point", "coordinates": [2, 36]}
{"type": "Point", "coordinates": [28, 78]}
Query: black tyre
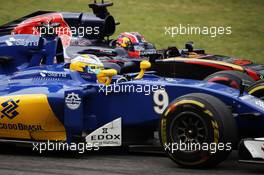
{"type": "Point", "coordinates": [231, 78]}
{"type": "Point", "coordinates": [257, 89]}
{"type": "Point", "coordinates": [199, 119]}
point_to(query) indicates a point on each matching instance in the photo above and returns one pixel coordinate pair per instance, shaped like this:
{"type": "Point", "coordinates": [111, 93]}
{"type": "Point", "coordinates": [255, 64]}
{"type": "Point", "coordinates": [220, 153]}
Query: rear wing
{"type": "Point", "coordinates": [95, 26]}
{"type": "Point", "coordinates": [7, 28]}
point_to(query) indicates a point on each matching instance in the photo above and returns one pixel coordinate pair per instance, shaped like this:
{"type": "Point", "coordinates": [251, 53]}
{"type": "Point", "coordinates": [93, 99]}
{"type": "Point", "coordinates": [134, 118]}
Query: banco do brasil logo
{"type": "Point", "coordinates": [9, 109]}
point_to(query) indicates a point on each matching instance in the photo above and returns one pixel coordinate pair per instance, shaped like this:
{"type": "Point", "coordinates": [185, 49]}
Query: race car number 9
{"type": "Point", "coordinates": [161, 101]}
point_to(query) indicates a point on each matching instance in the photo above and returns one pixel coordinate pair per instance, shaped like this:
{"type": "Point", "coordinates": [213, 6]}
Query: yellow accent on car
{"type": "Point", "coordinates": [256, 89]}
{"type": "Point", "coordinates": [29, 117]}
{"type": "Point", "coordinates": [105, 76]}
{"type": "Point", "coordinates": [235, 67]}
{"type": "Point", "coordinates": [144, 65]}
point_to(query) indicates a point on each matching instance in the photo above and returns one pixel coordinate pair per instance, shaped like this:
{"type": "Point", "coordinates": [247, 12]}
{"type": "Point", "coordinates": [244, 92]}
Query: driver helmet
{"type": "Point", "coordinates": [135, 44]}
{"type": "Point", "coordinates": [87, 64]}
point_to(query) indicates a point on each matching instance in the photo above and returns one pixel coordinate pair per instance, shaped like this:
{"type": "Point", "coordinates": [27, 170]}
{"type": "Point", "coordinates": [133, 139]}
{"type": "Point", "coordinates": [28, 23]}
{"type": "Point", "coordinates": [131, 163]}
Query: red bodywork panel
{"type": "Point", "coordinates": [30, 26]}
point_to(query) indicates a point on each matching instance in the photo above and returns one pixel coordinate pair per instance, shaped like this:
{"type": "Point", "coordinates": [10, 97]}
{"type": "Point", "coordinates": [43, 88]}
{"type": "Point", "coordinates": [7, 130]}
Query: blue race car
{"type": "Point", "coordinates": [44, 99]}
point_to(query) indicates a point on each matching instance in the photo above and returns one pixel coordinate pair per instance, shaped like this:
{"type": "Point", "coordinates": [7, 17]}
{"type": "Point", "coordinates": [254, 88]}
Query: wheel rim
{"type": "Point", "coordinates": [189, 127]}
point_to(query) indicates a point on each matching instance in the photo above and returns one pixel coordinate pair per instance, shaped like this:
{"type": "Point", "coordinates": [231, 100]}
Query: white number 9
{"type": "Point", "coordinates": [161, 101]}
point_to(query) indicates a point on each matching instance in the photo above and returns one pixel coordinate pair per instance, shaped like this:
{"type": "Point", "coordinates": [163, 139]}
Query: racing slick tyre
{"type": "Point", "coordinates": [197, 131]}
{"type": "Point", "coordinates": [257, 89]}
{"type": "Point", "coordinates": [234, 79]}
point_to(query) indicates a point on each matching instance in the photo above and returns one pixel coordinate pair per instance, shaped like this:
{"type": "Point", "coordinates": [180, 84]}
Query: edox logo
{"type": "Point", "coordinates": [9, 109]}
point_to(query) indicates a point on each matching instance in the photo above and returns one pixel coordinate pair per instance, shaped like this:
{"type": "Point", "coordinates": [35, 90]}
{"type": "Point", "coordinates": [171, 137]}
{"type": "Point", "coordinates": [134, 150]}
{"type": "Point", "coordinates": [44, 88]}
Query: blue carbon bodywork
{"type": "Point", "coordinates": [27, 51]}
{"type": "Point", "coordinates": [33, 71]}
{"type": "Point", "coordinates": [136, 109]}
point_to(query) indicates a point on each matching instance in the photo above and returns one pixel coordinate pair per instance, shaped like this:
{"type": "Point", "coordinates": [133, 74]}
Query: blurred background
{"type": "Point", "coordinates": [150, 17]}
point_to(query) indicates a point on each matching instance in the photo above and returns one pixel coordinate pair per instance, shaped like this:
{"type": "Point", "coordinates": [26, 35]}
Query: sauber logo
{"type": "Point", "coordinates": [9, 109]}
{"type": "Point", "coordinates": [53, 74]}
{"type": "Point", "coordinates": [20, 42]}
{"type": "Point", "coordinates": [10, 41]}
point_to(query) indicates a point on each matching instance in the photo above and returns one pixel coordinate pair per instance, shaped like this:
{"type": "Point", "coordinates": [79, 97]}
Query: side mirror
{"type": "Point", "coordinates": [144, 65]}
{"type": "Point", "coordinates": [105, 76]}
{"type": "Point", "coordinates": [189, 46]}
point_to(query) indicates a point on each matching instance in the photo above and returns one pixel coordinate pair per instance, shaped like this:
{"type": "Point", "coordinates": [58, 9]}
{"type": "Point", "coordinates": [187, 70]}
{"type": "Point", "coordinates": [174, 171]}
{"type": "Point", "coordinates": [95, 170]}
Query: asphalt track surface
{"type": "Point", "coordinates": [21, 161]}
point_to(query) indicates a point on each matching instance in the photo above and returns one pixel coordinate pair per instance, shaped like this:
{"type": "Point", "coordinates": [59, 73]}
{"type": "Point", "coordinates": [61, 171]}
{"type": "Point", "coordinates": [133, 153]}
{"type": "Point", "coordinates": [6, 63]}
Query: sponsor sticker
{"type": "Point", "coordinates": [255, 147]}
{"type": "Point", "coordinates": [20, 126]}
{"type": "Point", "coordinates": [20, 42]}
{"type": "Point", "coordinates": [107, 135]}
{"type": "Point", "coordinates": [53, 74]}
{"type": "Point", "coordinates": [9, 109]}
{"type": "Point", "coordinates": [260, 103]}
{"type": "Point", "coordinates": [73, 101]}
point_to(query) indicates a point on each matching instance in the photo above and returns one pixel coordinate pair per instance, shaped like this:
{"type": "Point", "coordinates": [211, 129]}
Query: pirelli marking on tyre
{"type": "Point", "coordinates": [163, 130]}
{"type": "Point", "coordinates": [183, 102]}
{"type": "Point", "coordinates": [216, 131]}
{"type": "Point", "coordinates": [172, 107]}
